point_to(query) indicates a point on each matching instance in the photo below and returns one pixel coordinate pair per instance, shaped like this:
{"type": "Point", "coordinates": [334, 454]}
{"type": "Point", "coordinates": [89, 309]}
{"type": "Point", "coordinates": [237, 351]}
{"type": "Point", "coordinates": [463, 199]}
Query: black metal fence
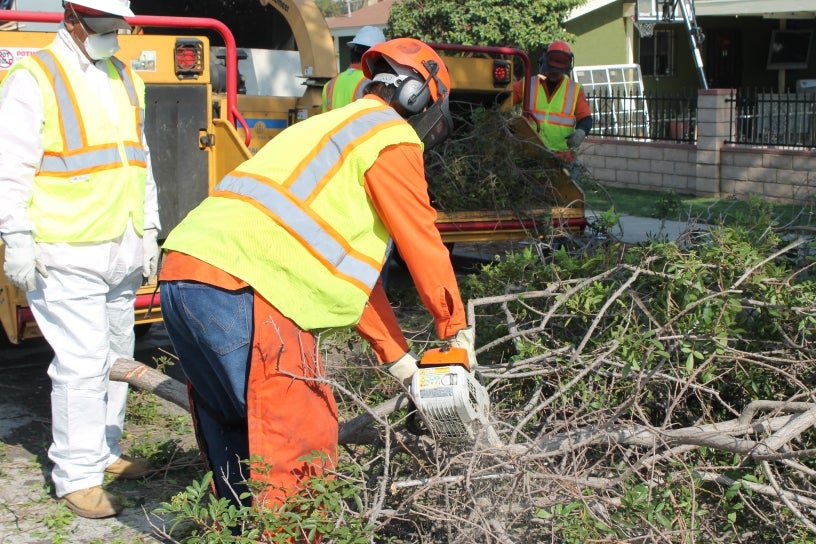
{"type": "Point", "coordinates": [786, 120]}
{"type": "Point", "coordinates": [758, 118]}
{"type": "Point", "coordinates": [647, 117]}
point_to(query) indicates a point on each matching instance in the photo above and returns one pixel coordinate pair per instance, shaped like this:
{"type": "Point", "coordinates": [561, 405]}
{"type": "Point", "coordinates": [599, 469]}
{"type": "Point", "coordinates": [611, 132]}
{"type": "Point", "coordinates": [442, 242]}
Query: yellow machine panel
{"type": "Point", "coordinates": [474, 74]}
{"type": "Point", "coordinates": [153, 57]}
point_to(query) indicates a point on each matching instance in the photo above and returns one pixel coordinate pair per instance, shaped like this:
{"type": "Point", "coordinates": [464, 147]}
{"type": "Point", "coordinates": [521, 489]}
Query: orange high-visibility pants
{"type": "Point", "coordinates": [291, 411]}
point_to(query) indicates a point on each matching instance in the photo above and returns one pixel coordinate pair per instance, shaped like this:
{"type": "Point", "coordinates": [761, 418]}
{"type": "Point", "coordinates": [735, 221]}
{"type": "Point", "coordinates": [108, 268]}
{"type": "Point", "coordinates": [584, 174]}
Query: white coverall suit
{"type": "Point", "coordinates": [84, 307]}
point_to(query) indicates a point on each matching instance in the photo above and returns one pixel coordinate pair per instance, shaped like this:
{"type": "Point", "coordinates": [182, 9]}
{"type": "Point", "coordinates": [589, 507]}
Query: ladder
{"type": "Point", "coordinates": [695, 34]}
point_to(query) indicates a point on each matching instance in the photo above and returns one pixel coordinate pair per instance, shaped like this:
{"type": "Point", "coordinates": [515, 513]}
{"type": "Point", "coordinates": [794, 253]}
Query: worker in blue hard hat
{"type": "Point", "coordinates": [348, 85]}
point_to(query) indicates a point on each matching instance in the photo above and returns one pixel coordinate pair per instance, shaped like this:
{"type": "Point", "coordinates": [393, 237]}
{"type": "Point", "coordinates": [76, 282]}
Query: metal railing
{"type": "Point", "coordinates": [644, 118]}
{"type": "Point", "coordinates": [785, 120]}
{"type": "Point", "coordinates": [758, 118]}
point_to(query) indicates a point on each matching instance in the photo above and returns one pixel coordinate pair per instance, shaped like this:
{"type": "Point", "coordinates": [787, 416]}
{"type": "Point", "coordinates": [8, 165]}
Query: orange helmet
{"type": "Point", "coordinates": [557, 58]}
{"type": "Point", "coordinates": [412, 66]}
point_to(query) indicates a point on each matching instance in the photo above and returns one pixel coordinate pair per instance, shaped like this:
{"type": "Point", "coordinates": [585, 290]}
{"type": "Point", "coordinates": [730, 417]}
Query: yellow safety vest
{"type": "Point", "coordinates": [344, 88]}
{"type": "Point", "coordinates": [92, 177]}
{"type": "Point", "coordinates": [295, 222]}
{"type": "Point", "coordinates": [556, 118]}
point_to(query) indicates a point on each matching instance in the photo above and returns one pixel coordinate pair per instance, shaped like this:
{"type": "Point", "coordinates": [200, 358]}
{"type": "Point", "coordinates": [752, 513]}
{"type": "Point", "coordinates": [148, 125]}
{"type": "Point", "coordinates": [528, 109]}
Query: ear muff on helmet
{"type": "Point", "coordinates": [412, 94]}
{"type": "Point", "coordinates": [410, 58]}
{"type": "Point", "coordinates": [422, 84]}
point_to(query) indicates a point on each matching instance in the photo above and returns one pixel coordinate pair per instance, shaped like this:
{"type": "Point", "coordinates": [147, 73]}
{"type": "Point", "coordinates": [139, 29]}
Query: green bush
{"type": "Point", "coordinates": [330, 506]}
{"type": "Point", "coordinates": [661, 392]}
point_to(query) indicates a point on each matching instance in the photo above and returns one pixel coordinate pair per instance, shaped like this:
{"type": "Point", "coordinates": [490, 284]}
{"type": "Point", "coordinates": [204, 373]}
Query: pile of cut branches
{"type": "Point", "coordinates": [486, 164]}
{"type": "Point", "coordinates": [660, 394]}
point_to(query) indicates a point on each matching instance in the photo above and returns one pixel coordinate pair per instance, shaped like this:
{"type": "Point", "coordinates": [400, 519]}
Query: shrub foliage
{"type": "Point", "coordinates": [662, 392]}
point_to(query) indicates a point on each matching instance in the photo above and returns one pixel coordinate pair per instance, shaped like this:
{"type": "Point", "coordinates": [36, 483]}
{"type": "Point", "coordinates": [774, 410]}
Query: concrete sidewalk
{"type": "Point", "coordinates": [632, 229]}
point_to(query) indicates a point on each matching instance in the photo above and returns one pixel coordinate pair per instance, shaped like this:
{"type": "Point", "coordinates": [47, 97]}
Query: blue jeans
{"type": "Point", "coordinates": [211, 331]}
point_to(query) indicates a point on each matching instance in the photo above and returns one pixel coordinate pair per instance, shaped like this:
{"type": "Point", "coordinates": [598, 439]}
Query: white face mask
{"type": "Point", "coordinates": [101, 46]}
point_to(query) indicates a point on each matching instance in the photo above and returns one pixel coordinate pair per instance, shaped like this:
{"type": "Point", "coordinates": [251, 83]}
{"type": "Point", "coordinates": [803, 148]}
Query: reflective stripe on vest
{"type": "Point", "coordinates": [327, 157]}
{"type": "Point", "coordinates": [556, 118]}
{"type": "Point", "coordinates": [361, 85]}
{"type": "Point", "coordinates": [77, 159]}
{"type": "Point", "coordinates": [329, 92]}
{"type": "Point", "coordinates": [286, 202]}
{"type": "Point", "coordinates": [91, 180]}
{"type": "Point", "coordinates": [303, 226]}
{"type": "Point", "coordinates": [345, 88]}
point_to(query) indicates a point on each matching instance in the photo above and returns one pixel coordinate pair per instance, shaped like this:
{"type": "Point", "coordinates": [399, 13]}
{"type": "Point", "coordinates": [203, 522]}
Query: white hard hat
{"type": "Point", "coordinates": [113, 7]}
{"type": "Point", "coordinates": [102, 16]}
{"type": "Point", "coordinates": [368, 36]}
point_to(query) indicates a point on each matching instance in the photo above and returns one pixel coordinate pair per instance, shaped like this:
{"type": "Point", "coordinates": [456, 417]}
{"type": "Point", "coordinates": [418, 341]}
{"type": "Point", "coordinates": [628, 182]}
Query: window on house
{"type": "Point", "coordinates": [657, 53]}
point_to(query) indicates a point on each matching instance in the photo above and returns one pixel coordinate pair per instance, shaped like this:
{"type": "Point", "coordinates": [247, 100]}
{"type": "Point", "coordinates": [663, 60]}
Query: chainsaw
{"type": "Point", "coordinates": [452, 400]}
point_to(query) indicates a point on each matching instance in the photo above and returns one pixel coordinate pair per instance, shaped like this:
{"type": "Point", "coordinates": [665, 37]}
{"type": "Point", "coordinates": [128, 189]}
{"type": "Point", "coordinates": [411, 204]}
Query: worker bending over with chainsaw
{"type": "Point", "coordinates": [291, 243]}
{"type": "Point", "coordinates": [557, 103]}
{"type": "Point", "coordinates": [79, 218]}
{"type": "Point", "coordinates": [348, 85]}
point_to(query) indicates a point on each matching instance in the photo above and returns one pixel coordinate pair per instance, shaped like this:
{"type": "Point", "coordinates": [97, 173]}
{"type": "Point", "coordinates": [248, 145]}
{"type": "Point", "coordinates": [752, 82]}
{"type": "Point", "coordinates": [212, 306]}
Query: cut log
{"type": "Point", "coordinates": [146, 378]}
{"type": "Point", "coordinates": [359, 430]}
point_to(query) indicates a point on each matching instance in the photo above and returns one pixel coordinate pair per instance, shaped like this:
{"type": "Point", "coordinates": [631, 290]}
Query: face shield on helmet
{"type": "Point", "coordinates": [422, 84]}
{"type": "Point", "coordinates": [557, 58]}
{"type": "Point", "coordinates": [434, 125]}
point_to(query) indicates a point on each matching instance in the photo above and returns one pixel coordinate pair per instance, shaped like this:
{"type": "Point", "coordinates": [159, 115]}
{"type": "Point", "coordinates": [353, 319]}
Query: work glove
{"type": "Point", "coordinates": [404, 368]}
{"type": "Point", "coordinates": [575, 139]}
{"type": "Point", "coordinates": [150, 259]}
{"type": "Point", "coordinates": [466, 339]}
{"type": "Point", "coordinates": [22, 260]}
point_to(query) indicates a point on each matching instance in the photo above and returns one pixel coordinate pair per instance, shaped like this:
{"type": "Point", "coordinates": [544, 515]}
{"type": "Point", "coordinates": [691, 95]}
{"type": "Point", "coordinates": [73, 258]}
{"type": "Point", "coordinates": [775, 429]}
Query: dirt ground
{"type": "Point", "coordinates": [28, 511]}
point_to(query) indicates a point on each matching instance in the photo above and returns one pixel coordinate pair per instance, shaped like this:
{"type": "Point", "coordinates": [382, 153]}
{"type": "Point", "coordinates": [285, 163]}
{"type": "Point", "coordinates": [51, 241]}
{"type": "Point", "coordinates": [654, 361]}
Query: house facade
{"type": "Point", "coordinates": [344, 28]}
{"type": "Point", "coordinates": [746, 43]}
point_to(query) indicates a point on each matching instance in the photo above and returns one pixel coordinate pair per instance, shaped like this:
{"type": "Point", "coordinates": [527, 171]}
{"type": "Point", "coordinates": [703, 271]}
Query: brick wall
{"type": "Point", "coordinates": [709, 168]}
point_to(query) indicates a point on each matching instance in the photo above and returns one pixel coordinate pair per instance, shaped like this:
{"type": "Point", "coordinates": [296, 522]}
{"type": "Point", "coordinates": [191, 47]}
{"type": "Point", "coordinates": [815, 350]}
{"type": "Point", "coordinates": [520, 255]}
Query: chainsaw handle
{"type": "Point", "coordinates": [445, 357]}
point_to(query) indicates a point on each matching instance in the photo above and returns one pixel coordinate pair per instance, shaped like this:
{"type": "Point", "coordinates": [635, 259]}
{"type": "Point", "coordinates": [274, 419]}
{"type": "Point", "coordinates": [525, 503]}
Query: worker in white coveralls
{"type": "Point", "coordinates": [79, 220]}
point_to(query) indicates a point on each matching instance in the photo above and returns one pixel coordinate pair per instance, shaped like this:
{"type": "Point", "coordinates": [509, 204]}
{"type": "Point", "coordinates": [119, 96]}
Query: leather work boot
{"type": "Point", "coordinates": [93, 502]}
{"type": "Point", "coordinates": [129, 468]}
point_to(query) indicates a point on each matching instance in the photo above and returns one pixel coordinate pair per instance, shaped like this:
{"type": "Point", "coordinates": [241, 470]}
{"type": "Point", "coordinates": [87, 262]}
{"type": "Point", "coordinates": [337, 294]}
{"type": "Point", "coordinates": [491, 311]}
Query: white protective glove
{"type": "Point", "coordinates": [22, 260]}
{"type": "Point", "coordinates": [574, 140]}
{"type": "Point", "coordinates": [150, 260]}
{"type": "Point", "coordinates": [466, 339]}
{"type": "Point", "coordinates": [404, 368]}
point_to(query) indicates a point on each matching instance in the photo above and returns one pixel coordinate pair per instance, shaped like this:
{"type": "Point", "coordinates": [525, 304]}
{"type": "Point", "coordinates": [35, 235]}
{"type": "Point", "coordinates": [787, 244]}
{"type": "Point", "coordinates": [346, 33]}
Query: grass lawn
{"type": "Point", "coordinates": [673, 206]}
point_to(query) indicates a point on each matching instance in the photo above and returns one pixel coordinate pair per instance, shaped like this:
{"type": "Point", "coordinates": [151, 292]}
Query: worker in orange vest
{"type": "Point", "coordinates": [557, 102]}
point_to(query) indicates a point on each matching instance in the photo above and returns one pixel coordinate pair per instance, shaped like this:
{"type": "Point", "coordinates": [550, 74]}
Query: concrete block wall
{"type": "Point", "coordinates": [709, 168]}
{"type": "Point", "coordinates": [641, 165]}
